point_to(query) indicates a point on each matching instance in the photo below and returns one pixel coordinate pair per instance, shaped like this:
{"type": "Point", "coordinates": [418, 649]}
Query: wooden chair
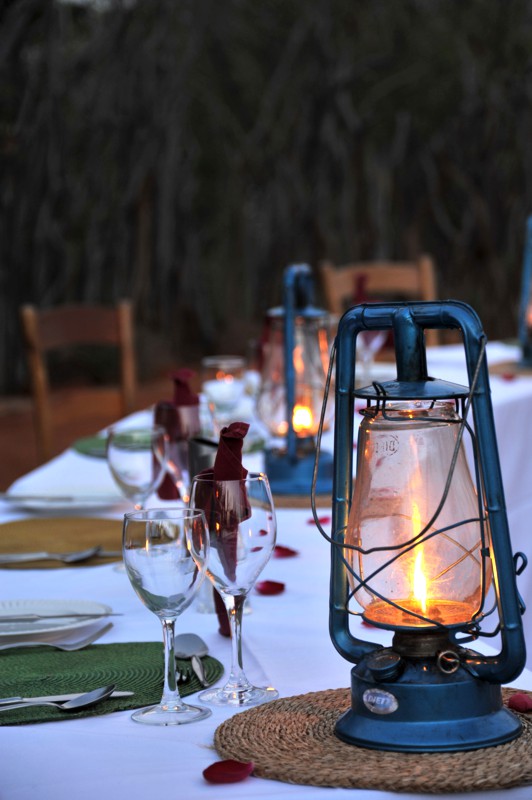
{"type": "Point", "coordinates": [65, 328]}
{"type": "Point", "coordinates": [385, 280]}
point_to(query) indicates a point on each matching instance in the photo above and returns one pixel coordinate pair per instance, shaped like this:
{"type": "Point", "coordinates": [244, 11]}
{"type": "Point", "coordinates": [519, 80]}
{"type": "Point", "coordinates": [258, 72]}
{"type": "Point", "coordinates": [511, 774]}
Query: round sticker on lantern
{"type": "Point", "coordinates": [380, 702]}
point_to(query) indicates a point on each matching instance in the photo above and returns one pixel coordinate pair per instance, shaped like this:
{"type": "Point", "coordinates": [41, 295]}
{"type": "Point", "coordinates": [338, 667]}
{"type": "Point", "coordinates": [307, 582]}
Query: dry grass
{"type": "Point", "coordinates": [183, 153]}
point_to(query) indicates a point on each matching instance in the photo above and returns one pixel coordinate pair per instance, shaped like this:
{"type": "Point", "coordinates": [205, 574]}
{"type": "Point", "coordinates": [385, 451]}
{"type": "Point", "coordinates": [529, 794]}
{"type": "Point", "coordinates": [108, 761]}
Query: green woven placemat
{"type": "Point", "coordinates": [133, 666]}
{"type": "Point", "coordinates": [94, 446]}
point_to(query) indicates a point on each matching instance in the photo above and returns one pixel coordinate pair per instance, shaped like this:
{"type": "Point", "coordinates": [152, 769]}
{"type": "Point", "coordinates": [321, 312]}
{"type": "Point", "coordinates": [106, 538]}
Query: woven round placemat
{"type": "Point", "coordinates": [132, 666]}
{"type": "Point", "coordinates": [293, 740]}
{"type": "Point", "coordinates": [509, 369]}
{"type": "Point", "coordinates": [301, 501]}
{"type": "Point", "coordinates": [60, 535]}
{"type": "Point", "coordinates": [93, 446]}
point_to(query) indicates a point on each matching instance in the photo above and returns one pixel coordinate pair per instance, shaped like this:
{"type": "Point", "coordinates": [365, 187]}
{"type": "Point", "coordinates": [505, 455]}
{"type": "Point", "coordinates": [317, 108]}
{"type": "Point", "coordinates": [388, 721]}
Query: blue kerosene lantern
{"type": "Point", "coordinates": [295, 357]}
{"type": "Point", "coordinates": [420, 549]}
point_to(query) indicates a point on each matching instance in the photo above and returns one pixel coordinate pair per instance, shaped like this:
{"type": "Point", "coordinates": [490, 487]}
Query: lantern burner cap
{"type": "Point", "coordinates": [305, 446]}
{"type": "Point", "coordinates": [426, 644]}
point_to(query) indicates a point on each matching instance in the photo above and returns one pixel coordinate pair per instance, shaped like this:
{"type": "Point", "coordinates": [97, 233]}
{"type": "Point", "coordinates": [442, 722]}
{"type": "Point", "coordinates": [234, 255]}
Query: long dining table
{"type": "Point", "coordinates": [285, 635]}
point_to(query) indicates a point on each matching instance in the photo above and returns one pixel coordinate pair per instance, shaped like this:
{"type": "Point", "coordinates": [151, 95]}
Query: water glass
{"type": "Point", "coordinates": [165, 553]}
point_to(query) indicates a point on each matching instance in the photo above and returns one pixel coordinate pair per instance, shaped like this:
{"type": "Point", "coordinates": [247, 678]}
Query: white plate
{"type": "Point", "coordinates": [38, 502]}
{"type": "Point", "coordinates": [64, 624]}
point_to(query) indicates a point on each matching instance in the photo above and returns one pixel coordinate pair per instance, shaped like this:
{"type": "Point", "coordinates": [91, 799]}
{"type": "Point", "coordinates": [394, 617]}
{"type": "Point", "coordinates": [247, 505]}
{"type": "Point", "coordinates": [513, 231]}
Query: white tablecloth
{"type": "Point", "coordinates": [286, 644]}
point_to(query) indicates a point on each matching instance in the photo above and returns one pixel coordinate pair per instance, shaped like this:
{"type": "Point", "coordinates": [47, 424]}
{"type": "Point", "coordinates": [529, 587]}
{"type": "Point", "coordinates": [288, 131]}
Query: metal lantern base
{"type": "Point", "coordinates": [288, 475]}
{"type": "Point", "coordinates": [417, 708]}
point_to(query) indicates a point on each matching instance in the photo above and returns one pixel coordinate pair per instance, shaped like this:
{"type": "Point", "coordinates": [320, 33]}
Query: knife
{"type": "Point", "coordinates": [7, 701]}
{"type": "Point", "coordinates": [41, 617]}
{"type": "Point", "coordinates": [199, 669]}
{"type": "Point", "coordinates": [12, 497]}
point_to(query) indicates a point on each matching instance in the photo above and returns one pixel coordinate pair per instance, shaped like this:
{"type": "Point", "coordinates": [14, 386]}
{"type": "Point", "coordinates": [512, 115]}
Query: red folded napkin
{"type": "Point", "coordinates": [360, 293]}
{"type": "Point", "coordinates": [180, 418]}
{"type": "Point", "coordinates": [183, 394]}
{"type": "Point", "coordinates": [226, 509]}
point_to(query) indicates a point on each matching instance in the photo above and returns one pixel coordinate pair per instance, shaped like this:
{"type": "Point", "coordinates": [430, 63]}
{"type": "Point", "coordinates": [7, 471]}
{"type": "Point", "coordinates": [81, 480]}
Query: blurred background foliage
{"type": "Point", "coordinates": [183, 152]}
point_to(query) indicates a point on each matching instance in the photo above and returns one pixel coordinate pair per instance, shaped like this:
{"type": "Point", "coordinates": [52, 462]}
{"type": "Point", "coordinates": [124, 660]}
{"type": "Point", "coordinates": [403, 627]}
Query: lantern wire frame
{"type": "Point", "coordinates": [471, 629]}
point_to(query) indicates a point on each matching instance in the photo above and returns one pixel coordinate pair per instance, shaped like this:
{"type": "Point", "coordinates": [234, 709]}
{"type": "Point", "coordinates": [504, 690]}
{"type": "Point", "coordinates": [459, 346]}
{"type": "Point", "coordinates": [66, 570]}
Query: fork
{"type": "Point", "coordinates": [79, 645]}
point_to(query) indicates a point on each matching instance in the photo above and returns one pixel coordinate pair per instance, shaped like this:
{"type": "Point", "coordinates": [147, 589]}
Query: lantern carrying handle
{"type": "Point", "coordinates": [298, 293]}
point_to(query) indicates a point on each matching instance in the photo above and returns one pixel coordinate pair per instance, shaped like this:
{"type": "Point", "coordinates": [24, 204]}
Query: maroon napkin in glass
{"type": "Point", "coordinates": [227, 509]}
{"type": "Point", "coordinates": [183, 394]}
{"type": "Point", "coordinates": [228, 461]}
{"type": "Point", "coordinates": [180, 418]}
{"type": "Point", "coordinates": [360, 294]}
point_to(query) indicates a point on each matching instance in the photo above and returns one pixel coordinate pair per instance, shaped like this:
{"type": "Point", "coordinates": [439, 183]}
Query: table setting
{"type": "Point", "coordinates": [286, 645]}
{"type": "Point", "coordinates": [260, 694]}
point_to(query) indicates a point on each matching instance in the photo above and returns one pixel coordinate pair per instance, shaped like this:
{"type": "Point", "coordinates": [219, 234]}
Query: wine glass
{"type": "Point", "coordinates": [242, 528]}
{"type": "Point", "coordinates": [223, 386]}
{"type": "Point", "coordinates": [137, 458]}
{"type": "Point", "coordinates": [165, 552]}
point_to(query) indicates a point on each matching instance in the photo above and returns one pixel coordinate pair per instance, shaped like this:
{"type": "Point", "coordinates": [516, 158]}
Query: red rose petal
{"type": "Point", "coordinates": [281, 551]}
{"type": "Point", "coordinates": [228, 771]}
{"type": "Point", "coordinates": [269, 587]}
{"type": "Point", "coordinates": [508, 376]}
{"type": "Point", "coordinates": [321, 520]}
{"type": "Point", "coordinates": [520, 702]}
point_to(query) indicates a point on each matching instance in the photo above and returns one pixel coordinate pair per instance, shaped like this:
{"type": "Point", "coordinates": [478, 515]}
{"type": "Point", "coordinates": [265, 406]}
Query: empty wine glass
{"type": "Point", "coordinates": [137, 458]}
{"type": "Point", "coordinates": [242, 528]}
{"type": "Point", "coordinates": [368, 345]}
{"type": "Point", "coordinates": [165, 553]}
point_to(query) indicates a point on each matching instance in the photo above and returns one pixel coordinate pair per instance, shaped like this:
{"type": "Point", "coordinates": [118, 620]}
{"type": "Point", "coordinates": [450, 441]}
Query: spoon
{"type": "Point", "coordinates": [83, 701]}
{"type": "Point", "coordinates": [192, 646]}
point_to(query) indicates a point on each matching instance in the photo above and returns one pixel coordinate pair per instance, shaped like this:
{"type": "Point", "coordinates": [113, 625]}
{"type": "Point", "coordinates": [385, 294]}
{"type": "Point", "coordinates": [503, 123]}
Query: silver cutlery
{"type": "Point", "coordinates": [79, 644]}
{"type": "Point", "coordinates": [12, 497]}
{"type": "Point", "coordinates": [53, 698]}
{"type": "Point", "coordinates": [72, 615]}
{"type": "Point", "coordinates": [82, 701]}
{"type": "Point", "coordinates": [66, 558]}
{"type": "Point", "coordinates": [191, 646]}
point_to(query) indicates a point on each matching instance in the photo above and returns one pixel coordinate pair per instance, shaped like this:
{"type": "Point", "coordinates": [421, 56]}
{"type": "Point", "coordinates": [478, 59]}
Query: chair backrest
{"type": "Point", "coordinates": [384, 280]}
{"type": "Point", "coordinates": [65, 327]}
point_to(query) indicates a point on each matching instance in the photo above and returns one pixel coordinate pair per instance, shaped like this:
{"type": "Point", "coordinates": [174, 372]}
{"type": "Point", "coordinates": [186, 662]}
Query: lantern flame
{"type": "Point", "coordinates": [302, 419]}
{"type": "Point", "coordinates": [419, 582]}
{"type": "Point", "coordinates": [221, 375]}
{"type": "Point", "coordinates": [299, 364]}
